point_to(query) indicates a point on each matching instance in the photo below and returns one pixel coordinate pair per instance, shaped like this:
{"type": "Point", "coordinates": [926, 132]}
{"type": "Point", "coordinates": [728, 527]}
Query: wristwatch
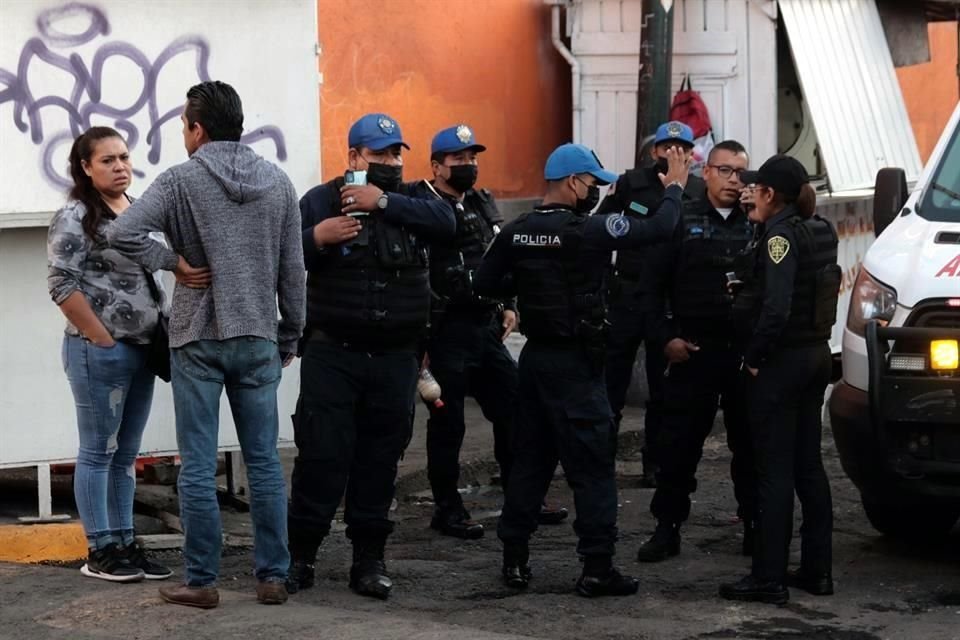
{"type": "Point", "coordinates": [382, 201]}
{"type": "Point", "coordinates": [674, 183]}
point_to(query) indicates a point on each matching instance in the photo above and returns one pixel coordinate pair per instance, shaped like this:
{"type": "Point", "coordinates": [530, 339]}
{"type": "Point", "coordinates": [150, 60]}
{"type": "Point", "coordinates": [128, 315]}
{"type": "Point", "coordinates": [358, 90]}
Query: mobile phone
{"type": "Point", "coordinates": [356, 178]}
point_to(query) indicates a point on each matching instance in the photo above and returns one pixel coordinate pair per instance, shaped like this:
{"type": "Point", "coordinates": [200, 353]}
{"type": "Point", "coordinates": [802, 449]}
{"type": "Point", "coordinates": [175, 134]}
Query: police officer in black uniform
{"type": "Point", "coordinates": [466, 351]}
{"type": "Point", "coordinates": [555, 259]}
{"type": "Point", "coordinates": [368, 303]}
{"type": "Point", "coordinates": [792, 298]}
{"type": "Point", "coordinates": [637, 289]}
{"type": "Point", "coordinates": [703, 353]}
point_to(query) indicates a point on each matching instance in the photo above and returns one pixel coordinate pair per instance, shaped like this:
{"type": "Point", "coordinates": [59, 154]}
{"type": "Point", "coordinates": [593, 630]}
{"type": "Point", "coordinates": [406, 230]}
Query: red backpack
{"type": "Point", "coordinates": [688, 108]}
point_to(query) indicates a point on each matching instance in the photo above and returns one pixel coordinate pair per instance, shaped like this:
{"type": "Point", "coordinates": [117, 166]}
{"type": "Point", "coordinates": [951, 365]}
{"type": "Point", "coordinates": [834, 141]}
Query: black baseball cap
{"type": "Point", "coordinates": [784, 174]}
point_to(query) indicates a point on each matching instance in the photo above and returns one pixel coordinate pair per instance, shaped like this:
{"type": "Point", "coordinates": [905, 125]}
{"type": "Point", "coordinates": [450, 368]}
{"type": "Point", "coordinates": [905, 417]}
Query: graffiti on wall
{"type": "Point", "coordinates": [52, 47]}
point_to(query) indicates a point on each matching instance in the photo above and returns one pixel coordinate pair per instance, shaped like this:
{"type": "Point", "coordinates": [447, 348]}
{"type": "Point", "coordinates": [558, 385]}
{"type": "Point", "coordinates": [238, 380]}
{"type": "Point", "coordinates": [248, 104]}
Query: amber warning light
{"type": "Point", "coordinates": [944, 355]}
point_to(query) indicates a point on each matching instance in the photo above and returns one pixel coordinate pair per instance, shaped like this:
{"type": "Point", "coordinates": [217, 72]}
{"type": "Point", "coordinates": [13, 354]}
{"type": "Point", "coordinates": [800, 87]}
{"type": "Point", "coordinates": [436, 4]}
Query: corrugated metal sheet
{"type": "Point", "coordinates": [848, 80]}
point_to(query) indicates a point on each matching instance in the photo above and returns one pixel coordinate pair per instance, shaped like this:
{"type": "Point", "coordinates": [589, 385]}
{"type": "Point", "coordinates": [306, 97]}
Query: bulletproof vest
{"type": "Point", "coordinates": [645, 194]}
{"type": "Point", "coordinates": [373, 289]}
{"type": "Point", "coordinates": [452, 266]}
{"type": "Point", "coordinates": [710, 248]}
{"type": "Point", "coordinates": [813, 307]}
{"type": "Point", "coordinates": [560, 295]}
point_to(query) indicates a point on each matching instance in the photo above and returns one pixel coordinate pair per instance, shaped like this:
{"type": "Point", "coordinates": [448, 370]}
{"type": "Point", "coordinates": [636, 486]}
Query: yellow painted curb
{"type": "Point", "coordinates": [30, 543]}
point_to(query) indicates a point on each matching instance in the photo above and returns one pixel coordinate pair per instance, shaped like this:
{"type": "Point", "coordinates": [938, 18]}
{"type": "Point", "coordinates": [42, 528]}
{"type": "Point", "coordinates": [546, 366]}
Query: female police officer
{"type": "Point", "coordinates": [789, 305]}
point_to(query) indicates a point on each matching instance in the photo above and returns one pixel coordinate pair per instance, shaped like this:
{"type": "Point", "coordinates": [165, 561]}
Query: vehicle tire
{"type": "Point", "coordinates": [911, 522]}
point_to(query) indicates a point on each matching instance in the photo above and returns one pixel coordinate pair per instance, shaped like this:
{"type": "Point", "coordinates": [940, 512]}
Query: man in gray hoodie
{"type": "Point", "coordinates": [233, 221]}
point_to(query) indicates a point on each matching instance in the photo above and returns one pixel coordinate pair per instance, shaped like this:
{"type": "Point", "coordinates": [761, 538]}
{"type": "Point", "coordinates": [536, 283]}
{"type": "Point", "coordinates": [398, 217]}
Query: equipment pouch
{"type": "Point", "coordinates": [825, 300]}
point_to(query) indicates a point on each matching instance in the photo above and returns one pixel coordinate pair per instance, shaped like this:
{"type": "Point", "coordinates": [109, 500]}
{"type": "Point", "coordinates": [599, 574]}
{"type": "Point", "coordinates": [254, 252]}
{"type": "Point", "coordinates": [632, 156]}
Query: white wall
{"type": "Point", "coordinates": [727, 46]}
{"type": "Point", "coordinates": [265, 50]}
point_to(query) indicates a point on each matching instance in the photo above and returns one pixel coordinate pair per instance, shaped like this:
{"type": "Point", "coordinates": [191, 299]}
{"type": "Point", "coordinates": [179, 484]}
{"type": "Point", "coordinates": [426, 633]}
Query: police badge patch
{"type": "Point", "coordinates": [674, 130]}
{"type": "Point", "coordinates": [464, 134]}
{"type": "Point", "coordinates": [617, 225]}
{"type": "Point", "coordinates": [777, 248]}
{"type": "Point", "coordinates": [386, 125]}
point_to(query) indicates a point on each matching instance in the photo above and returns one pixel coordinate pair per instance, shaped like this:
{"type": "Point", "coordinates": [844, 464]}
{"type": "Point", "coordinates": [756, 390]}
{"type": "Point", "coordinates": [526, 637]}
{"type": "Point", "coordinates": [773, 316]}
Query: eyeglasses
{"type": "Point", "coordinates": [726, 171]}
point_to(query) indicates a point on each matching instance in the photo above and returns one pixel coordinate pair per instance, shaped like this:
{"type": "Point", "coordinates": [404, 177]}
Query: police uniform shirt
{"type": "Point", "coordinates": [778, 257]}
{"type": "Point", "coordinates": [600, 235]}
{"type": "Point", "coordinates": [432, 219]}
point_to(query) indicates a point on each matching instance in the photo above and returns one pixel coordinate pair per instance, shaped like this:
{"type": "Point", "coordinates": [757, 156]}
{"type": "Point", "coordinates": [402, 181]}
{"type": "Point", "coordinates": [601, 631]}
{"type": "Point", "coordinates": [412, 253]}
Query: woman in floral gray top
{"type": "Point", "coordinates": [111, 315]}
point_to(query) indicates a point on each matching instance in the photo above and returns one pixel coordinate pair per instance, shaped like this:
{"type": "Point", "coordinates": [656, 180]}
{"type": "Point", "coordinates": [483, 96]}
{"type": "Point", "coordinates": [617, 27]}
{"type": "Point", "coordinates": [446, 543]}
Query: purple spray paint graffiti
{"type": "Point", "coordinates": [85, 101]}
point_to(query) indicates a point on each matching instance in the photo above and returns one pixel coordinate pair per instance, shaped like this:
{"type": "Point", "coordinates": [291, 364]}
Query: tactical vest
{"type": "Point", "coordinates": [452, 267]}
{"type": "Point", "coordinates": [374, 289]}
{"type": "Point", "coordinates": [560, 296]}
{"type": "Point", "coordinates": [646, 190]}
{"type": "Point", "coordinates": [709, 250]}
{"type": "Point", "coordinates": [813, 308]}
{"type": "Point", "coordinates": [813, 305]}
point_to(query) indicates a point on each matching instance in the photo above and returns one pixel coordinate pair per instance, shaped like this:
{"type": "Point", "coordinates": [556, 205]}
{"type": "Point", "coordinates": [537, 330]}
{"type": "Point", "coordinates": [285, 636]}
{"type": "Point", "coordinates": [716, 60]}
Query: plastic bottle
{"type": "Point", "coordinates": [429, 388]}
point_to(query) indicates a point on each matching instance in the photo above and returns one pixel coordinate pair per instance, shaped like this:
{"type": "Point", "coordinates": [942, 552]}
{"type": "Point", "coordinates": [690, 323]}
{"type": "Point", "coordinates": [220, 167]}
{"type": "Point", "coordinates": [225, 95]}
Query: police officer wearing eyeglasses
{"type": "Point", "coordinates": [637, 288]}
{"type": "Point", "coordinates": [789, 308]}
{"type": "Point", "coordinates": [466, 352]}
{"type": "Point", "coordinates": [365, 247]}
{"type": "Point", "coordinates": [703, 353]}
{"type": "Point", "coordinates": [555, 260]}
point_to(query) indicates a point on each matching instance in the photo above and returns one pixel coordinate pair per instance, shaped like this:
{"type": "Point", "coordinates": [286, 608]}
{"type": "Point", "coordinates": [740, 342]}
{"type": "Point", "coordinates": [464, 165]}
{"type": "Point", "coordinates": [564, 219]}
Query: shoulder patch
{"type": "Point", "coordinates": [617, 225]}
{"type": "Point", "coordinates": [777, 248]}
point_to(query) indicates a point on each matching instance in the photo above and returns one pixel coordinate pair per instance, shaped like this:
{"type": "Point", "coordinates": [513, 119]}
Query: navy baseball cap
{"type": "Point", "coordinates": [375, 131]}
{"type": "Point", "coordinates": [674, 132]}
{"type": "Point", "coordinates": [454, 139]}
{"type": "Point", "coordinates": [570, 159]}
{"type": "Point", "coordinates": [784, 174]}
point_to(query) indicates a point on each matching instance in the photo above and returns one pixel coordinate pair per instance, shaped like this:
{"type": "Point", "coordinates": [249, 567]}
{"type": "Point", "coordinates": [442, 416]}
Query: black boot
{"type": "Point", "coordinates": [812, 583]}
{"type": "Point", "coordinates": [368, 575]}
{"type": "Point", "coordinates": [749, 589]}
{"type": "Point", "coordinates": [664, 543]}
{"type": "Point", "coordinates": [300, 575]}
{"type": "Point", "coordinates": [550, 514]}
{"type": "Point", "coordinates": [516, 568]}
{"type": "Point", "coordinates": [599, 578]}
{"type": "Point", "coordinates": [457, 524]}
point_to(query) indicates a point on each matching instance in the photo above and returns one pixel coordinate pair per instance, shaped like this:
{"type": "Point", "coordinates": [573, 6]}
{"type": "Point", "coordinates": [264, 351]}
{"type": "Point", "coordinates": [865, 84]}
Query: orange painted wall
{"type": "Point", "coordinates": [433, 63]}
{"type": "Point", "coordinates": [930, 89]}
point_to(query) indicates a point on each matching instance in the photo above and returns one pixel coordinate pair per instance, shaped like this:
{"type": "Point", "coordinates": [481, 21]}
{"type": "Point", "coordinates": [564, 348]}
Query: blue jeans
{"type": "Point", "coordinates": [249, 368]}
{"type": "Point", "coordinates": [113, 391]}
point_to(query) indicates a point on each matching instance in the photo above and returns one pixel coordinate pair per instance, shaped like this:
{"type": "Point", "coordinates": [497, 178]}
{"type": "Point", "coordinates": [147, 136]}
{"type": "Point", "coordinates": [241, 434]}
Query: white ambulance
{"type": "Point", "coordinates": [896, 413]}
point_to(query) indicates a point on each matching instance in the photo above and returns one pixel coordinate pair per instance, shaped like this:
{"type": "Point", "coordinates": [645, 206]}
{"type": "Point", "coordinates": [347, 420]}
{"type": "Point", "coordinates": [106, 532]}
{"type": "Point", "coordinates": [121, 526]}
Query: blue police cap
{"type": "Point", "coordinates": [674, 132]}
{"type": "Point", "coordinates": [570, 159]}
{"type": "Point", "coordinates": [454, 139]}
{"type": "Point", "coordinates": [375, 131]}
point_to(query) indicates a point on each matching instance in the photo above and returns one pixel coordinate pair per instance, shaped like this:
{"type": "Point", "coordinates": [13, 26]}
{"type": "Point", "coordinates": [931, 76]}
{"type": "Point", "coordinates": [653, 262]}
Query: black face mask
{"type": "Point", "coordinates": [463, 177]}
{"type": "Point", "coordinates": [385, 176]}
{"type": "Point", "coordinates": [586, 205]}
{"type": "Point", "coordinates": [661, 165]}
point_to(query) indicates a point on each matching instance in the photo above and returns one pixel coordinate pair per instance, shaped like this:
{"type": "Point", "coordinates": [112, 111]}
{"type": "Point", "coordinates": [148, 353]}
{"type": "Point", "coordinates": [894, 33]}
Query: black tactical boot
{"type": "Point", "coordinates": [550, 514]}
{"type": "Point", "coordinates": [599, 578]}
{"type": "Point", "coordinates": [814, 584]}
{"type": "Point", "coordinates": [516, 568]}
{"type": "Point", "coordinates": [749, 589]}
{"type": "Point", "coordinates": [456, 524]}
{"type": "Point", "coordinates": [368, 575]}
{"type": "Point", "coordinates": [664, 543]}
{"type": "Point", "coordinates": [300, 575]}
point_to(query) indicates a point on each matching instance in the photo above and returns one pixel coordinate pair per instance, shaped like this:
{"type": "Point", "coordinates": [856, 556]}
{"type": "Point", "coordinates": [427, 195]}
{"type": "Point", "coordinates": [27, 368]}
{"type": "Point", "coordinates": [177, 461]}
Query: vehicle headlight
{"type": "Point", "coordinates": [869, 300]}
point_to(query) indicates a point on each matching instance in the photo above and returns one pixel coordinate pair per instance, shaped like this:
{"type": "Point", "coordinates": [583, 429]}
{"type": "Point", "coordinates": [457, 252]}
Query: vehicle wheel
{"type": "Point", "coordinates": [912, 522]}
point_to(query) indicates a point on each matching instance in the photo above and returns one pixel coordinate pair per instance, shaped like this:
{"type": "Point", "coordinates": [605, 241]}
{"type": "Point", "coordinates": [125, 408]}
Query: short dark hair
{"type": "Point", "coordinates": [727, 145]}
{"type": "Point", "coordinates": [438, 157]}
{"type": "Point", "coordinates": [217, 107]}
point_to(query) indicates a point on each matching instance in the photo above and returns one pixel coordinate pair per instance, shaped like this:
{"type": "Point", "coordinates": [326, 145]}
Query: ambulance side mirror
{"type": "Point", "coordinates": [889, 195]}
